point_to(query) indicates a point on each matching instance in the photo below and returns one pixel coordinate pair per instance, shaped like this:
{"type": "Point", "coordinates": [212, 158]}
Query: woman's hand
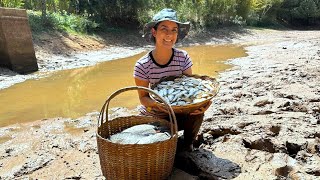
{"type": "Point", "coordinates": [201, 110]}
{"type": "Point", "coordinates": [160, 107]}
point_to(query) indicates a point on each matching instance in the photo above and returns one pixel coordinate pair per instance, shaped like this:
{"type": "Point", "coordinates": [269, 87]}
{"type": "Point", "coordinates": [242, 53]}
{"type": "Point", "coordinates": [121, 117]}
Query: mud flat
{"type": "Point", "coordinates": [266, 117]}
{"type": "Point", "coordinates": [263, 124]}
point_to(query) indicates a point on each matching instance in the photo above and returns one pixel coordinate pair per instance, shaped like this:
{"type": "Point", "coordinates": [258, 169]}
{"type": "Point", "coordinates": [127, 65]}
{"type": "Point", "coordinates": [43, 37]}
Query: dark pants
{"type": "Point", "coordinates": [191, 125]}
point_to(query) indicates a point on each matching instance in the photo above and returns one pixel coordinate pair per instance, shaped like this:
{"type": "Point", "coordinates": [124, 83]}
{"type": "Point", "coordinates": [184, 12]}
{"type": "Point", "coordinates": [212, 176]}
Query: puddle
{"type": "Point", "coordinates": [73, 93]}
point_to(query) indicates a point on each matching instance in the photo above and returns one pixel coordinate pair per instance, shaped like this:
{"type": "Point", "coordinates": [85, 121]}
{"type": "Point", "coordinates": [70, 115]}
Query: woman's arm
{"type": "Point", "coordinates": [145, 99]}
{"type": "Point", "coordinates": [144, 95]}
{"type": "Point", "coordinates": [187, 71]}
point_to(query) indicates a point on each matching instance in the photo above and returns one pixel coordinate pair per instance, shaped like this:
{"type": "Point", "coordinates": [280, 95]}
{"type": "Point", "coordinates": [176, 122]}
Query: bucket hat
{"type": "Point", "coordinates": [165, 15]}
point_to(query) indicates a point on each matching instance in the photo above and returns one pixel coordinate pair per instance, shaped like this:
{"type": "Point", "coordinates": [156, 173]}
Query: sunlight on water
{"type": "Point", "coordinates": [73, 93]}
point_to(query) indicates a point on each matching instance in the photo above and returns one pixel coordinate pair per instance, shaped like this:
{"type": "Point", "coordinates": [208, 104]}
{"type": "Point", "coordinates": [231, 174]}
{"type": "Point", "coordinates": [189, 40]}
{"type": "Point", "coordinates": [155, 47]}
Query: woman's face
{"type": "Point", "coordinates": [166, 34]}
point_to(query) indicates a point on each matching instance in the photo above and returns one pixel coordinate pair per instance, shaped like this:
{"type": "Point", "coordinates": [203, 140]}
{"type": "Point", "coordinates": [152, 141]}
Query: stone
{"type": "Point", "coordinates": [16, 46]}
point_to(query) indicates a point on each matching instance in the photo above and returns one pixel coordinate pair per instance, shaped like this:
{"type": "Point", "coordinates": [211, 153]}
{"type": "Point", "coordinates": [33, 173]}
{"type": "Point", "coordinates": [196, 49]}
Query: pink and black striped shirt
{"type": "Point", "coordinates": [147, 69]}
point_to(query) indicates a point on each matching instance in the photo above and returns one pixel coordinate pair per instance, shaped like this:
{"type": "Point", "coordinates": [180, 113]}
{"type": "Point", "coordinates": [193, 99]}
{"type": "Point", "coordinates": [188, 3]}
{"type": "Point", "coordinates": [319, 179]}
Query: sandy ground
{"type": "Point", "coordinates": [265, 119]}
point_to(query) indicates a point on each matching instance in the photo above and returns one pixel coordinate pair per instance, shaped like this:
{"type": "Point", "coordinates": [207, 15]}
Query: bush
{"type": "Point", "coordinates": [61, 22]}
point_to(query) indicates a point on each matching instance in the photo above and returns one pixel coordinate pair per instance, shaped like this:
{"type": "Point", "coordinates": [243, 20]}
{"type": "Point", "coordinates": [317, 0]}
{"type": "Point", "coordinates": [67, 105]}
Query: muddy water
{"type": "Point", "coordinates": [73, 93]}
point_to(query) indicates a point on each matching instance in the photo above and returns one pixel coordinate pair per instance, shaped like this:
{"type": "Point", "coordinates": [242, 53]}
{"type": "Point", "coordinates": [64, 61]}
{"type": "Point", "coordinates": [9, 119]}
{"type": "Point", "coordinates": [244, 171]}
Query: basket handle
{"type": "Point", "coordinates": [105, 107]}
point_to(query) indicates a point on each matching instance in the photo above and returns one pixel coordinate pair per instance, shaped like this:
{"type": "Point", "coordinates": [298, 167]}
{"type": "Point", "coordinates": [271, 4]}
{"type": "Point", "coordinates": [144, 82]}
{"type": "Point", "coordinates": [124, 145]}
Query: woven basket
{"type": "Point", "coordinates": [188, 108]}
{"type": "Point", "coordinates": [135, 161]}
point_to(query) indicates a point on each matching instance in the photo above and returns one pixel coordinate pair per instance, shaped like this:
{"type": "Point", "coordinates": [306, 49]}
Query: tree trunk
{"type": "Point", "coordinates": [54, 6]}
{"type": "Point", "coordinates": [44, 11]}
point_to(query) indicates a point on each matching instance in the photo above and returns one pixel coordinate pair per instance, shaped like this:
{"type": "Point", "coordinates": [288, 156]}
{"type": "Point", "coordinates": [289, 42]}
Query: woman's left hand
{"type": "Point", "coordinates": [201, 110]}
{"type": "Point", "coordinates": [161, 107]}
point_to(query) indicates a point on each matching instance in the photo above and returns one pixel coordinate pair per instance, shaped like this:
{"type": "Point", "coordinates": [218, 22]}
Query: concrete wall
{"type": "Point", "coordinates": [16, 46]}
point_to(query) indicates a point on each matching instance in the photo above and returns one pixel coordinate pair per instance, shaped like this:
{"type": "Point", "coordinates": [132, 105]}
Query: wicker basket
{"type": "Point", "coordinates": [188, 108]}
{"type": "Point", "coordinates": [135, 161]}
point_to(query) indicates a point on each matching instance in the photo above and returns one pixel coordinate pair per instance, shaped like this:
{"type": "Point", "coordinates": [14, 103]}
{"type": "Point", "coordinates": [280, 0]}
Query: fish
{"type": "Point", "coordinates": [141, 134]}
{"type": "Point", "coordinates": [142, 129]}
{"type": "Point", "coordinates": [154, 138]}
{"type": "Point", "coordinates": [125, 138]}
{"type": "Point", "coordinates": [185, 90]}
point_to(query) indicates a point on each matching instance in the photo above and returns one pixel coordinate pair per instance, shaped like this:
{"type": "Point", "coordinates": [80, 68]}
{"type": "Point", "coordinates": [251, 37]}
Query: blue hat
{"type": "Point", "coordinates": [165, 15]}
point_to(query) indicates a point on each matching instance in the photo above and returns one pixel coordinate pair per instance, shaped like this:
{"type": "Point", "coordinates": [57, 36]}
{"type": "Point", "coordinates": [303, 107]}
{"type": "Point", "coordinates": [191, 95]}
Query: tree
{"type": "Point", "coordinates": [44, 11]}
{"type": "Point", "coordinates": [307, 10]}
{"type": "Point", "coordinates": [243, 8]}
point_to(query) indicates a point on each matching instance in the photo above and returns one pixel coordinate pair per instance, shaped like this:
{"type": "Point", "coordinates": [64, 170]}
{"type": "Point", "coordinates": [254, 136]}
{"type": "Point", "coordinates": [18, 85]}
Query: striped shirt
{"type": "Point", "coordinates": [147, 69]}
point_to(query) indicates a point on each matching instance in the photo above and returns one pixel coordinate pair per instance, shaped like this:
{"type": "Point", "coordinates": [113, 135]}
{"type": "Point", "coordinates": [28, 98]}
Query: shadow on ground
{"type": "Point", "coordinates": [205, 165]}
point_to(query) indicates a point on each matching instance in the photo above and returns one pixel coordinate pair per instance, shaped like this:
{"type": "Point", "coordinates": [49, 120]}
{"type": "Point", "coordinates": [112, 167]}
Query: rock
{"type": "Point", "coordinates": [263, 112]}
{"type": "Point", "coordinates": [262, 101]}
{"type": "Point", "coordinates": [313, 146]}
{"type": "Point", "coordinates": [294, 106]}
{"type": "Point", "coordinates": [206, 165]}
{"type": "Point", "coordinates": [264, 144]}
{"type": "Point", "coordinates": [274, 129]}
{"type": "Point", "coordinates": [231, 110]}
{"type": "Point", "coordinates": [207, 138]}
{"type": "Point", "coordinates": [221, 131]}
{"type": "Point", "coordinates": [235, 86]}
{"type": "Point", "coordinates": [295, 145]}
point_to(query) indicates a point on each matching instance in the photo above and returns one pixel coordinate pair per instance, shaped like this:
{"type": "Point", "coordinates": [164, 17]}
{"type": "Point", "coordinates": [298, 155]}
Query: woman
{"type": "Point", "coordinates": [165, 60]}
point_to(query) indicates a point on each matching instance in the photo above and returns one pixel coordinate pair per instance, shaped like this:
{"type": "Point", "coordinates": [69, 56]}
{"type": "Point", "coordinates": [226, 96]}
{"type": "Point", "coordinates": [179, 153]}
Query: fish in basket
{"type": "Point", "coordinates": [136, 147]}
{"type": "Point", "coordinates": [142, 134]}
{"type": "Point", "coordinates": [186, 93]}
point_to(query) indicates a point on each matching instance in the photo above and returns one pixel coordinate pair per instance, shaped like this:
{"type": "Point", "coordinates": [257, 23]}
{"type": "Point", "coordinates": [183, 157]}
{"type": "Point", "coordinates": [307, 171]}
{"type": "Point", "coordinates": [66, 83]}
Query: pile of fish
{"type": "Point", "coordinates": [141, 134]}
{"type": "Point", "coordinates": [185, 90]}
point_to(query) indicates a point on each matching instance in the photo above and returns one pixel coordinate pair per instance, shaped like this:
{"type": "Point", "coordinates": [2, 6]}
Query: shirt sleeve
{"type": "Point", "coordinates": [139, 72]}
{"type": "Point", "coordinates": [187, 62]}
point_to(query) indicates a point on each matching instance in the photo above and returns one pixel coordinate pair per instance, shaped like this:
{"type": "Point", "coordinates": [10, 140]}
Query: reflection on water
{"type": "Point", "coordinates": [73, 93]}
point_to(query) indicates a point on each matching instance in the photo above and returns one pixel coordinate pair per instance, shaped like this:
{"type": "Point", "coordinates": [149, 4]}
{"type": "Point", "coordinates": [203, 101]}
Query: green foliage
{"type": "Point", "coordinates": [306, 9]}
{"type": "Point", "coordinates": [302, 12]}
{"type": "Point", "coordinates": [71, 22]}
{"type": "Point", "coordinates": [243, 8]}
{"type": "Point", "coordinates": [263, 12]}
{"type": "Point", "coordinates": [35, 21]}
{"type": "Point", "coordinates": [201, 13]}
{"type": "Point", "coordinates": [81, 15]}
{"type": "Point", "coordinates": [12, 3]}
{"type": "Point", "coordinates": [61, 22]}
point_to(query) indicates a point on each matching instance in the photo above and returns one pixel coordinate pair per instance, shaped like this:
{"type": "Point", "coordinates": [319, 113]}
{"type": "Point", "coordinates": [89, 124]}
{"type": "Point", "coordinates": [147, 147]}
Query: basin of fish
{"type": "Point", "coordinates": [186, 90]}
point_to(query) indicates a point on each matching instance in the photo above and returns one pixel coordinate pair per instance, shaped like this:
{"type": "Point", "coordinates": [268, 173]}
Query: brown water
{"type": "Point", "coordinates": [73, 93]}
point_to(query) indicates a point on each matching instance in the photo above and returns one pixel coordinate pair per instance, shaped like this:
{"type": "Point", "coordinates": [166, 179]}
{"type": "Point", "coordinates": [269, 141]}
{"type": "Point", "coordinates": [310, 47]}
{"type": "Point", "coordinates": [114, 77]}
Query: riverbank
{"type": "Point", "coordinates": [58, 51]}
{"type": "Point", "coordinates": [265, 118]}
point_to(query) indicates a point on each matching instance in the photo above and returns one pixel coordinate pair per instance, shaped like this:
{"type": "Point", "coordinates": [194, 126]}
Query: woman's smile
{"type": "Point", "coordinates": [166, 33]}
{"type": "Point", "coordinates": [168, 42]}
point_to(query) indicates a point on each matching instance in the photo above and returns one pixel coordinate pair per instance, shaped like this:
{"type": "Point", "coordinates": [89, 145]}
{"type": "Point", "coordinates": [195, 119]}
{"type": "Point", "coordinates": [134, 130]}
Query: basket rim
{"type": "Point", "coordinates": [103, 115]}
